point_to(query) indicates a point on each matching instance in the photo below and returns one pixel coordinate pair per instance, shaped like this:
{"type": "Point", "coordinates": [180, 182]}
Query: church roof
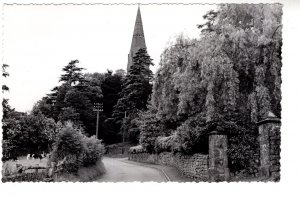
{"type": "Point", "coordinates": [138, 38]}
{"type": "Point", "coordinates": [138, 27]}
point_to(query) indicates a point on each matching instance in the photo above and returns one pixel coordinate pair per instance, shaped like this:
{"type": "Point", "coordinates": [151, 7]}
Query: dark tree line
{"type": "Point", "coordinates": [74, 98]}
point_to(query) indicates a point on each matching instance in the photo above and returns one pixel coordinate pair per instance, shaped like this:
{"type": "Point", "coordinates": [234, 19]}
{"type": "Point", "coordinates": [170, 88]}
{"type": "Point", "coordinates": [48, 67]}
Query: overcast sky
{"type": "Point", "coordinates": [40, 40]}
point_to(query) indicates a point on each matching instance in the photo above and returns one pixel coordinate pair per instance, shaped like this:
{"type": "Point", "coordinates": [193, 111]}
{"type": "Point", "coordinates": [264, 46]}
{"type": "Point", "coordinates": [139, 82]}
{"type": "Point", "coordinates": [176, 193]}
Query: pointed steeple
{"type": "Point", "coordinates": [138, 38]}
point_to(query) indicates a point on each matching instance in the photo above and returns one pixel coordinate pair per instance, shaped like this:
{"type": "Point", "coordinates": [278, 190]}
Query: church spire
{"type": "Point", "coordinates": [138, 39]}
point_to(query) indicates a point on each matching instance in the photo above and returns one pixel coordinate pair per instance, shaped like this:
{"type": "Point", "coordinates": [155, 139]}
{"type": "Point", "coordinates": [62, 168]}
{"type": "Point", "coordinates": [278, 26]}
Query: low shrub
{"type": "Point", "coordinates": [84, 174]}
{"type": "Point", "coordinates": [93, 150]}
{"type": "Point", "coordinates": [75, 149]}
{"type": "Point", "coordinates": [137, 149]}
{"type": "Point", "coordinates": [68, 145]}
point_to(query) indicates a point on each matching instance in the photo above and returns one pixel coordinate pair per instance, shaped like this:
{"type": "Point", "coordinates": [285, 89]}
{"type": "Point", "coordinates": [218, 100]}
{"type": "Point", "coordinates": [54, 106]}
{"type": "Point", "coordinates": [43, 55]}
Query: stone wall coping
{"type": "Point", "coordinates": [269, 120]}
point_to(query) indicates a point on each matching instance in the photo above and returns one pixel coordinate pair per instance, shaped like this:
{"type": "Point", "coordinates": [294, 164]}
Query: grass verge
{"type": "Point", "coordinates": [84, 174]}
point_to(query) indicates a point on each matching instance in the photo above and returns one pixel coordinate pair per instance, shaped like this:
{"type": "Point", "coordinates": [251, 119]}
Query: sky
{"type": "Point", "coordinates": [39, 40]}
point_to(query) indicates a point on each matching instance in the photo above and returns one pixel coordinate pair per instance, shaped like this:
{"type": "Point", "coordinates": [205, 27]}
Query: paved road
{"type": "Point", "coordinates": [119, 170]}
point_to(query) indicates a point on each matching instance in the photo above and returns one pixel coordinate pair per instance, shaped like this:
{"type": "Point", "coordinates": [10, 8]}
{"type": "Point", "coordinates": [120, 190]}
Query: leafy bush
{"type": "Point", "coordinates": [68, 145]}
{"type": "Point", "coordinates": [191, 136]}
{"type": "Point", "coordinates": [150, 128]}
{"type": "Point", "coordinates": [243, 151]}
{"type": "Point", "coordinates": [9, 150]}
{"type": "Point", "coordinates": [243, 144]}
{"type": "Point", "coordinates": [93, 150]}
{"type": "Point", "coordinates": [76, 149]}
{"type": "Point", "coordinates": [137, 149]}
{"type": "Point", "coordinates": [23, 134]}
{"type": "Point", "coordinates": [164, 144]}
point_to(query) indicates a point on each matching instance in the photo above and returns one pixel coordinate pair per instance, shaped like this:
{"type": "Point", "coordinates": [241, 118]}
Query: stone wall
{"type": "Point", "coordinates": [193, 166]}
{"type": "Point", "coordinates": [269, 138]}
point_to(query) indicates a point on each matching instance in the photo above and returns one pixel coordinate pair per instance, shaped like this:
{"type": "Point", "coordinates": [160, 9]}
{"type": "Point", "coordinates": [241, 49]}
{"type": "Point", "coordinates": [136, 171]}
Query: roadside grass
{"type": "Point", "coordinates": [10, 174]}
{"type": "Point", "coordinates": [84, 174]}
{"type": "Point", "coordinates": [9, 167]}
{"type": "Point", "coordinates": [91, 173]}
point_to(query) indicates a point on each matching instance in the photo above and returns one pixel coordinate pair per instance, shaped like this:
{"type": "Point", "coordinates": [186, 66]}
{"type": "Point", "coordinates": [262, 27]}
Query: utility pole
{"type": "Point", "coordinates": [123, 135]}
{"type": "Point", "coordinates": [98, 107]}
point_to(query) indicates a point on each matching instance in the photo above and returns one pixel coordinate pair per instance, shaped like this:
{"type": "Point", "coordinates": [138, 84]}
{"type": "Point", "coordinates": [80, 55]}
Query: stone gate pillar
{"type": "Point", "coordinates": [269, 142]}
{"type": "Point", "coordinates": [218, 161]}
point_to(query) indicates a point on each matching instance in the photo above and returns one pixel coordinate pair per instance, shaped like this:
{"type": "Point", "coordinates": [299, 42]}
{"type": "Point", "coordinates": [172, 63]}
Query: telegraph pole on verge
{"type": "Point", "coordinates": [98, 107]}
{"type": "Point", "coordinates": [123, 135]}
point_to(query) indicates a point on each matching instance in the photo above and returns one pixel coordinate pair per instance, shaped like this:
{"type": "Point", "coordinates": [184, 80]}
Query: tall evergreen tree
{"type": "Point", "coordinates": [72, 73]}
{"type": "Point", "coordinates": [135, 94]}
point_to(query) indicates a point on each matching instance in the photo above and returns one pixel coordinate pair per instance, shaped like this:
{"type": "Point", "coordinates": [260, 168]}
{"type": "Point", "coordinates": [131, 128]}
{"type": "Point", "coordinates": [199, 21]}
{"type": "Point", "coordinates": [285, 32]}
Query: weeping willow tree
{"type": "Point", "coordinates": [236, 59]}
{"type": "Point", "coordinates": [231, 72]}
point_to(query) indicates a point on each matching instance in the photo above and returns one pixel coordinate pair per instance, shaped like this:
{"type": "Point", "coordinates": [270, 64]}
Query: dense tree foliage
{"type": "Point", "coordinates": [232, 73]}
{"type": "Point", "coordinates": [73, 100]}
{"type": "Point", "coordinates": [111, 87]}
{"type": "Point", "coordinates": [135, 94]}
{"type": "Point", "coordinates": [23, 134]}
{"type": "Point", "coordinates": [232, 62]}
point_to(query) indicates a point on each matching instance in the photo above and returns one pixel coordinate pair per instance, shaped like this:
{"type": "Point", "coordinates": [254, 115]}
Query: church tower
{"type": "Point", "coordinates": [138, 39]}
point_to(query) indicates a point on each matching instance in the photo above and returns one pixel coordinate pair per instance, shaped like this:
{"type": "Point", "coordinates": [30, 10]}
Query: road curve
{"type": "Point", "coordinates": [118, 170]}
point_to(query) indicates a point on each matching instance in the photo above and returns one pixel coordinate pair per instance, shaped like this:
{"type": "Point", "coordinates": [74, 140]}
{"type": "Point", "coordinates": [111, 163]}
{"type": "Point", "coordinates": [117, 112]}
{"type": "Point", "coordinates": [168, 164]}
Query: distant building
{"type": "Point", "coordinates": [138, 39]}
